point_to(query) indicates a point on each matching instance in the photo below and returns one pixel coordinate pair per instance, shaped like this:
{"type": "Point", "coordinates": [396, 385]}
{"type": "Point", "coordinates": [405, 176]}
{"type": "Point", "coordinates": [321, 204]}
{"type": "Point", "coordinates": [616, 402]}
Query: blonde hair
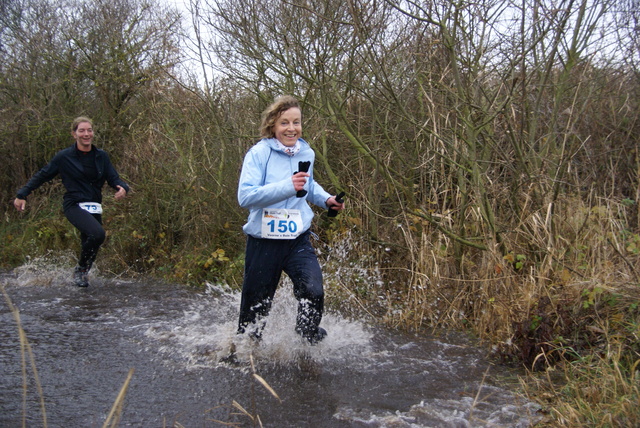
{"type": "Point", "coordinates": [273, 112]}
{"type": "Point", "coordinates": [78, 120]}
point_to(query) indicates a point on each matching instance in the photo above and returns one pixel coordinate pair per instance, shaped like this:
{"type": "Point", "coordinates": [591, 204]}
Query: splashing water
{"type": "Point", "coordinates": [190, 364]}
{"type": "Point", "coordinates": [206, 334]}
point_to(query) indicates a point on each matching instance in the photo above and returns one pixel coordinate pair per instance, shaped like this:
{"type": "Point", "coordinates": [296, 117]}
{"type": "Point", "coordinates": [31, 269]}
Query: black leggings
{"type": "Point", "coordinates": [265, 260]}
{"type": "Point", "coordinates": [91, 232]}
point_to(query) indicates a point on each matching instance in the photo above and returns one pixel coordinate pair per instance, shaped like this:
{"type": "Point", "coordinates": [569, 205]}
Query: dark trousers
{"type": "Point", "coordinates": [265, 260]}
{"type": "Point", "coordinates": [91, 232]}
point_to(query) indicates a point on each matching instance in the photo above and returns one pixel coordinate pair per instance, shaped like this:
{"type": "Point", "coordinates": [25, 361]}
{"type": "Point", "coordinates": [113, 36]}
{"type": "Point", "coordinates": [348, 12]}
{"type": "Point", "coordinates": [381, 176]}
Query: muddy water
{"type": "Point", "coordinates": [179, 342]}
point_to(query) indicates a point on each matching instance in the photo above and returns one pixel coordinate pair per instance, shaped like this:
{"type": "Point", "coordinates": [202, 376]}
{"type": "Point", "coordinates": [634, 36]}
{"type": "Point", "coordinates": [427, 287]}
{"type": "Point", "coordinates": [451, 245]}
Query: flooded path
{"type": "Point", "coordinates": [178, 341]}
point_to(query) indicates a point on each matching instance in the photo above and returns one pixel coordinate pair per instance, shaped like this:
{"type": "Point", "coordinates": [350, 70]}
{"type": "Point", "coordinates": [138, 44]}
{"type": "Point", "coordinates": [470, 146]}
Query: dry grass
{"type": "Point", "coordinates": [238, 410]}
{"type": "Point", "coordinates": [560, 295]}
{"type": "Point", "coordinates": [25, 350]}
{"type": "Point", "coordinates": [596, 391]}
{"type": "Point", "coordinates": [113, 419]}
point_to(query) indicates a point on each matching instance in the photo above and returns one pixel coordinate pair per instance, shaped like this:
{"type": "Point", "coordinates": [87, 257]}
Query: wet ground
{"type": "Point", "coordinates": [178, 342]}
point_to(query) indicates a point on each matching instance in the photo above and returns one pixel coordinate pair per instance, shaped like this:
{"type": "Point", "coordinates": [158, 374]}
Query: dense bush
{"type": "Point", "coordinates": [490, 163]}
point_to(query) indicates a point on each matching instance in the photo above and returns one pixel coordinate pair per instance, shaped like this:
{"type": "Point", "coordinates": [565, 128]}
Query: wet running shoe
{"type": "Point", "coordinates": [81, 277]}
{"type": "Point", "coordinates": [320, 334]}
{"type": "Point", "coordinates": [313, 338]}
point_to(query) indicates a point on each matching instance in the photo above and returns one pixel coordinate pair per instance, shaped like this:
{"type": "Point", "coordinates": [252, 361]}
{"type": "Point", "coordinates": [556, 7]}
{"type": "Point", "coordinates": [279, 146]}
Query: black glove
{"type": "Point", "coordinates": [303, 166]}
{"type": "Point", "coordinates": [332, 212]}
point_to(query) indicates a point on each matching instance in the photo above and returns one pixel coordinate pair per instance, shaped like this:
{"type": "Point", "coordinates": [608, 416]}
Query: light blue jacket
{"type": "Point", "coordinates": [265, 182]}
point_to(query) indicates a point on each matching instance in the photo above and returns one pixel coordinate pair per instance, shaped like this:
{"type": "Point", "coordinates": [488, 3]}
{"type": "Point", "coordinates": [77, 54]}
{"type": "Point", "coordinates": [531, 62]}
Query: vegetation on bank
{"type": "Point", "coordinates": [489, 153]}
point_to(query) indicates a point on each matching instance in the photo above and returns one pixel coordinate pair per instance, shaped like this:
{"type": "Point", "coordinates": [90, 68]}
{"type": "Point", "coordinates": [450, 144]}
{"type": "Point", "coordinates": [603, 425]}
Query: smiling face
{"type": "Point", "coordinates": [288, 126]}
{"type": "Point", "coordinates": [83, 136]}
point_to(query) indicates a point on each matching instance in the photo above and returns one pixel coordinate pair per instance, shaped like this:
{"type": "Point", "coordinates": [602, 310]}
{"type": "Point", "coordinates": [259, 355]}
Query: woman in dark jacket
{"type": "Point", "coordinates": [84, 170]}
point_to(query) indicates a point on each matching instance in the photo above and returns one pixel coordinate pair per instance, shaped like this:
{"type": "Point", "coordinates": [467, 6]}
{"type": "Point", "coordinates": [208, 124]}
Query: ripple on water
{"type": "Point", "coordinates": [180, 342]}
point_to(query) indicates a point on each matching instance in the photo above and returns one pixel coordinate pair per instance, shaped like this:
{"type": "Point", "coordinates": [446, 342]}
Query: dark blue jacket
{"type": "Point", "coordinates": [79, 189]}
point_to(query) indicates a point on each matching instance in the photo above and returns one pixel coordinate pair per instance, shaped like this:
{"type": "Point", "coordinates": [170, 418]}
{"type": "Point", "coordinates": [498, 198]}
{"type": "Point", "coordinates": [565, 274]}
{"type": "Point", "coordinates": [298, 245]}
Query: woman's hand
{"type": "Point", "coordinates": [121, 193]}
{"type": "Point", "coordinates": [19, 204]}
{"type": "Point", "coordinates": [299, 180]}
{"type": "Point", "coordinates": [334, 204]}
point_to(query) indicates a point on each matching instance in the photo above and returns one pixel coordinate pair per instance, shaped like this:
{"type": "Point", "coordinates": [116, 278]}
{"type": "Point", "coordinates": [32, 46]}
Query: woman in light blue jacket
{"type": "Point", "coordinates": [276, 186]}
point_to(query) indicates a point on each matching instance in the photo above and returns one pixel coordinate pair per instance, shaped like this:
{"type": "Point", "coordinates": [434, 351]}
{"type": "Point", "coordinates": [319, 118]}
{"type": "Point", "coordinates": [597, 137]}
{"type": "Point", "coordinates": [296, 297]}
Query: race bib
{"type": "Point", "coordinates": [91, 207]}
{"type": "Point", "coordinates": [281, 223]}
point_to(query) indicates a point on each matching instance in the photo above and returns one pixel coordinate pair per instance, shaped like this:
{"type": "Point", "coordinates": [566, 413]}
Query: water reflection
{"type": "Point", "coordinates": [179, 340]}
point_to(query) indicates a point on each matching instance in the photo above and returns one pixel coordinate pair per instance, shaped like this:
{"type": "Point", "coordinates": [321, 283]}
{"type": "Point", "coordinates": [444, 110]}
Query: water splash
{"type": "Point", "coordinates": [53, 270]}
{"type": "Point", "coordinates": [206, 334]}
{"type": "Point", "coordinates": [180, 342]}
{"type": "Point", "coordinates": [465, 412]}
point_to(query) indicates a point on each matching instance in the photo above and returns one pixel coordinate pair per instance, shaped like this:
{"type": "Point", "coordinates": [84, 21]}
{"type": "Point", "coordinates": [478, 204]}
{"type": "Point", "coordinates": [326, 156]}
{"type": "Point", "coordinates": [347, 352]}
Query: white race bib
{"type": "Point", "coordinates": [91, 207]}
{"type": "Point", "coordinates": [280, 223]}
